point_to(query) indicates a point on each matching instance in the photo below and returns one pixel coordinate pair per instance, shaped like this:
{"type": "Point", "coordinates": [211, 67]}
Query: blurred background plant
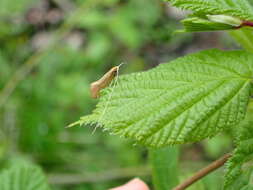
{"type": "Point", "coordinates": [50, 51]}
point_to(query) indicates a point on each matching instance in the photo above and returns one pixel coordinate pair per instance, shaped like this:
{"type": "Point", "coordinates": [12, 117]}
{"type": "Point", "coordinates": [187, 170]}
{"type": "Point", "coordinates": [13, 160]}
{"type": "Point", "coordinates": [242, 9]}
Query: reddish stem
{"type": "Point", "coordinates": [203, 172]}
{"type": "Point", "coordinates": [245, 23]}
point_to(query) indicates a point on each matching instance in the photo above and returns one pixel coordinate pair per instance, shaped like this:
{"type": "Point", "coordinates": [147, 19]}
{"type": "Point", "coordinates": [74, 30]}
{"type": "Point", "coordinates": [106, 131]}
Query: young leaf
{"type": "Point", "coordinates": [23, 177]}
{"type": "Point", "coordinates": [196, 24]}
{"type": "Point", "coordinates": [240, 166]}
{"type": "Point", "coordinates": [187, 100]}
{"type": "Point", "coordinates": [237, 8]}
{"type": "Point", "coordinates": [210, 15]}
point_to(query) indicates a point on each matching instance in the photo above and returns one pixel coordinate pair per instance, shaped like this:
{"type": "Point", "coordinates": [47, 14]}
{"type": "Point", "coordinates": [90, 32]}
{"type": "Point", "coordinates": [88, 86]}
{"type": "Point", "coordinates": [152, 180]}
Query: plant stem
{"type": "Point", "coordinates": [247, 23]}
{"type": "Point", "coordinates": [18, 76]}
{"type": "Point", "coordinates": [28, 66]}
{"type": "Point", "coordinates": [164, 163]}
{"type": "Point", "coordinates": [203, 172]}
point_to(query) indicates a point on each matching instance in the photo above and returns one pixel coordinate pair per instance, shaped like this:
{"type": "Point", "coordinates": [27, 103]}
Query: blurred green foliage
{"type": "Point", "coordinates": [50, 51]}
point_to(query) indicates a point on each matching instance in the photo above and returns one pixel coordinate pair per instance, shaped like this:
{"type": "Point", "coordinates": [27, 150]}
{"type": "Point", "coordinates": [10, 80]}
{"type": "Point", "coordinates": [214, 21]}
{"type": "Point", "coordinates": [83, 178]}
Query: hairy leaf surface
{"type": "Point", "coordinates": [186, 100]}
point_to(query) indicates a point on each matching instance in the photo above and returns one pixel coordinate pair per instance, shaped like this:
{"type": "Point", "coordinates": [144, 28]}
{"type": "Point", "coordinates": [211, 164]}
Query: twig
{"type": "Point", "coordinates": [203, 172]}
{"type": "Point", "coordinates": [29, 65]}
{"type": "Point", "coordinates": [18, 76]}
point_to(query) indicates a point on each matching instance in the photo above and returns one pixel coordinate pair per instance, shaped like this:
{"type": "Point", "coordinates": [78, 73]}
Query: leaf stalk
{"type": "Point", "coordinates": [203, 172]}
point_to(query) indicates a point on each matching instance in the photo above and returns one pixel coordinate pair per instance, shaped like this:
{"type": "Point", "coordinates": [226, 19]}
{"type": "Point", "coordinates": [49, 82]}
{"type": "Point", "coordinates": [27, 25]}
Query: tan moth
{"type": "Point", "coordinates": [103, 82]}
{"type": "Point", "coordinates": [98, 85]}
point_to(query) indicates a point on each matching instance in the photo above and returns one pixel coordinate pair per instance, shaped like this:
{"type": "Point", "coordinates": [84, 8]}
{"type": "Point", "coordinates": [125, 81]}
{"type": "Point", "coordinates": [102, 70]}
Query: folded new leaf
{"type": "Point", "coordinates": [211, 23]}
{"type": "Point", "coordinates": [212, 15]}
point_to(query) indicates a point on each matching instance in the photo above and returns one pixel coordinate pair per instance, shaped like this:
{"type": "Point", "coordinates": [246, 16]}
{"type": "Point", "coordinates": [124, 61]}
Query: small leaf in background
{"type": "Point", "coordinates": [186, 100]}
{"type": "Point", "coordinates": [23, 177]}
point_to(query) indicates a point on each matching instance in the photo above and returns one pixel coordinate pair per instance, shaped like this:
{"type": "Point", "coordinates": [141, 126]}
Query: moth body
{"type": "Point", "coordinates": [103, 82]}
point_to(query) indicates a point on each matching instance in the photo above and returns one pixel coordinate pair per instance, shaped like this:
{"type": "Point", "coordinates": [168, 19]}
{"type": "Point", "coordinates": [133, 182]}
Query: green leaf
{"type": "Point", "coordinates": [196, 24]}
{"type": "Point", "coordinates": [211, 15]}
{"type": "Point", "coordinates": [164, 167]}
{"type": "Point", "coordinates": [186, 100]}
{"type": "Point", "coordinates": [23, 177]}
{"type": "Point", "coordinates": [238, 8]}
{"type": "Point", "coordinates": [240, 166]}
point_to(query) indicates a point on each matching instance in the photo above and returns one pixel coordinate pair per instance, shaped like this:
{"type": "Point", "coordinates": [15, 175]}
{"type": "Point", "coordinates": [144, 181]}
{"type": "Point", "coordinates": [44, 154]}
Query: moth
{"type": "Point", "coordinates": [103, 82]}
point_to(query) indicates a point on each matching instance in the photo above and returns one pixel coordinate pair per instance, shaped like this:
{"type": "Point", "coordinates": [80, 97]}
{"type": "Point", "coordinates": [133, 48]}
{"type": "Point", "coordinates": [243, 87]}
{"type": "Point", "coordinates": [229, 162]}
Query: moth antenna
{"type": "Point", "coordinates": [123, 63]}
